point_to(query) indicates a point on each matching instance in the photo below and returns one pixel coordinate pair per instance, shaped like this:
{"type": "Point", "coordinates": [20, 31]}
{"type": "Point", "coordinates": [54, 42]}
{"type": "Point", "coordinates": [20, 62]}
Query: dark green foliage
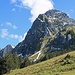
{"type": "Point", "coordinates": [25, 63]}
{"type": "Point", "coordinates": [3, 66]}
{"type": "Point", "coordinates": [20, 60]}
{"type": "Point", "coordinates": [72, 33]}
{"type": "Point", "coordinates": [14, 60]}
{"type": "Point", "coordinates": [46, 57]}
{"type": "Point", "coordinates": [71, 43]}
{"type": "Point", "coordinates": [54, 54]}
{"type": "Point", "coordinates": [67, 60]}
{"type": "Point", "coordinates": [67, 56]}
{"type": "Point", "coordinates": [10, 61]}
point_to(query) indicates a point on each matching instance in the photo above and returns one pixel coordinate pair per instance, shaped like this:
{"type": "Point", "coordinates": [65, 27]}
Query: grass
{"type": "Point", "coordinates": [59, 65]}
{"type": "Point", "coordinates": [69, 73]}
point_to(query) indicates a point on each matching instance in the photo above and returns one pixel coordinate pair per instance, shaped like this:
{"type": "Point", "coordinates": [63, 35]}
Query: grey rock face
{"type": "Point", "coordinates": [48, 24]}
{"type": "Point", "coordinates": [5, 50]}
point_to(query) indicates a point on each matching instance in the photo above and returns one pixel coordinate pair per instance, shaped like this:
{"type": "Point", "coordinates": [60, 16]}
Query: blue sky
{"type": "Point", "coordinates": [17, 16]}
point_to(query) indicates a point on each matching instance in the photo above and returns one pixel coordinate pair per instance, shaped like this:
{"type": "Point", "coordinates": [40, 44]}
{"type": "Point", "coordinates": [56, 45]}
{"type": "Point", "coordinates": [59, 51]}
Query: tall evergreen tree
{"type": "Point", "coordinates": [9, 61]}
{"type": "Point", "coordinates": [25, 63]}
{"type": "Point", "coordinates": [3, 66]}
{"type": "Point", "coordinates": [16, 60]}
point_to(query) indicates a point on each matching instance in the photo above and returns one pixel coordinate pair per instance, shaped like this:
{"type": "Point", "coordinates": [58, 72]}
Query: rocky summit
{"type": "Point", "coordinates": [53, 30]}
{"type": "Point", "coordinates": [5, 50]}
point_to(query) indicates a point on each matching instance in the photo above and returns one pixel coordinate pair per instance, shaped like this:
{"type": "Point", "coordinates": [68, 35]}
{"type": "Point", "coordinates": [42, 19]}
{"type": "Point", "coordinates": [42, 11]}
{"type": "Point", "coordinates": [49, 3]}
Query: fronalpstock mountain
{"type": "Point", "coordinates": [51, 31]}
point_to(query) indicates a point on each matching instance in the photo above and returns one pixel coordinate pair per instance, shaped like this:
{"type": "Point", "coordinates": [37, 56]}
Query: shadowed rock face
{"type": "Point", "coordinates": [49, 25]}
{"type": "Point", "coordinates": [5, 50]}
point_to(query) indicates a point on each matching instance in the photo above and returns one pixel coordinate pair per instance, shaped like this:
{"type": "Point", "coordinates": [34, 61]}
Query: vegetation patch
{"type": "Point", "coordinates": [60, 65]}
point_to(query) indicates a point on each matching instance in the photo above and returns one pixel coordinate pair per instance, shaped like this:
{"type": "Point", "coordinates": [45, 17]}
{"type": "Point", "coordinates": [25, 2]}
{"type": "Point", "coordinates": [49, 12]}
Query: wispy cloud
{"type": "Point", "coordinates": [71, 10]}
{"type": "Point", "coordinates": [15, 36]}
{"type": "Point", "coordinates": [11, 25]}
{"type": "Point", "coordinates": [13, 9]}
{"type": "Point", "coordinates": [19, 37]}
{"type": "Point", "coordinates": [36, 7]}
{"type": "Point", "coordinates": [13, 1]}
{"type": "Point", "coordinates": [4, 33]}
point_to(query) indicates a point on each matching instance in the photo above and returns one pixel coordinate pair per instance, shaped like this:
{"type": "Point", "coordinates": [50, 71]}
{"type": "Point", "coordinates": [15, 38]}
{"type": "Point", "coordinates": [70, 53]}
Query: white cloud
{"type": "Point", "coordinates": [11, 25]}
{"type": "Point", "coordinates": [37, 7]}
{"type": "Point", "coordinates": [71, 10]}
{"type": "Point", "coordinates": [19, 5]}
{"type": "Point", "coordinates": [20, 38]}
{"type": "Point", "coordinates": [13, 1]}
{"type": "Point", "coordinates": [13, 9]}
{"type": "Point", "coordinates": [4, 33]}
{"type": "Point", "coordinates": [14, 27]}
{"type": "Point", "coordinates": [14, 36]}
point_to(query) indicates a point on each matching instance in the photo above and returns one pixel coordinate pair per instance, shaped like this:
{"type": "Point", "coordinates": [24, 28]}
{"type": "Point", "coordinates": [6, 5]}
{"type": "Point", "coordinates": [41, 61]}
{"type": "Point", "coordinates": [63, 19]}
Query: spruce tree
{"type": "Point", "coordinates": [3, 66]}
{"type": "Point", "coordinates": [25, 63]}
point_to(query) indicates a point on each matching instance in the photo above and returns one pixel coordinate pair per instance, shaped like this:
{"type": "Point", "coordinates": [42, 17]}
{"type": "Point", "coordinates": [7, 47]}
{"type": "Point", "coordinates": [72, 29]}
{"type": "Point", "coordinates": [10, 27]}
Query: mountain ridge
{"type": "Point", "coordinates": [52, 24]}
{"type": "Point", "coordinates": [5, 50]}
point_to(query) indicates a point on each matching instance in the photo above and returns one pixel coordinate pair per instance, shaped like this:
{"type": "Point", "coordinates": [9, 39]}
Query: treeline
{"type": "Point", "coordinates": [53, 54]}
{"type": "Point", "coordinates": [11, 62]}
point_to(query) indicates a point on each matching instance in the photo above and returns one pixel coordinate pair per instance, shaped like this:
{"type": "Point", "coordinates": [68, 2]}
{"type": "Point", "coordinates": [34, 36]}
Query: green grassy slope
{"type": "Point", "coordinates": [60, 65]}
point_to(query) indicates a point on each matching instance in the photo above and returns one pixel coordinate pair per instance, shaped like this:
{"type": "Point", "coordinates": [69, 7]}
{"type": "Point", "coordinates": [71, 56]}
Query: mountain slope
{"type": "Point", "coordinates": [61, 65]}
{"type": "Point", "coordinates": [5, 50]}
{"type": "Point", "coordinates": [50, 31]}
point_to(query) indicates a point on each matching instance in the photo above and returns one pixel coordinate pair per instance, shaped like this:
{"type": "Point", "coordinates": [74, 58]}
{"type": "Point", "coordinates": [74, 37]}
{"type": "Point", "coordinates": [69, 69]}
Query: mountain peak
{"type": "Point", "coordinates": [54, 11]}
{"type": "Point", "coordinates": [5, 50]}
{"type": "Point", "coordinates": [54, 16]}
{"type": "Point", "coordinates": [47, 25]}
{"type": "Point", "coordinates": [8, 46]}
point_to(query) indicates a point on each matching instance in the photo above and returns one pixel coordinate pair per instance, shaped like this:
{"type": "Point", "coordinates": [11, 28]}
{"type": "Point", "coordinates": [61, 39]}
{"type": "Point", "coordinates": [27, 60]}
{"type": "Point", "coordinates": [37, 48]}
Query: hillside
{"type": "Point", "coordinates": [60, 65]}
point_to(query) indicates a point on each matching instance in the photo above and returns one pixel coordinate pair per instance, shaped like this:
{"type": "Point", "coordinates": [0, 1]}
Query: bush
{"type": "Point", "coordinates": [67, 56]}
